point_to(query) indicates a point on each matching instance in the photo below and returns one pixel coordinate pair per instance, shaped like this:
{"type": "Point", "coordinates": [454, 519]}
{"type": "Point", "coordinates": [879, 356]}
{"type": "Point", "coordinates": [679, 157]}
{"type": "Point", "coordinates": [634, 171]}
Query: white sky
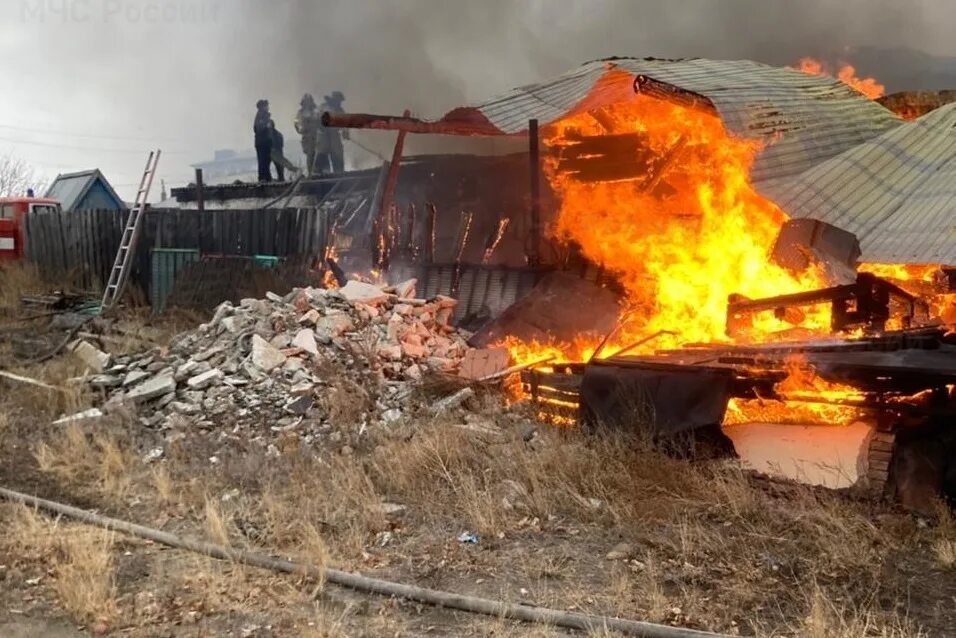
{"type": "Point", "coordinates": [97, 83]}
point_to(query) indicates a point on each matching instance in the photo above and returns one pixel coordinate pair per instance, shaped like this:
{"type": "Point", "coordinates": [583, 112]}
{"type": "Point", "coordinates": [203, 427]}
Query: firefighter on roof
{"type": "Point", "coordinates": [330, 153]}
{"type": "Point", "coordinates": [262, 129]}
{"type": "Point", "coordinates": [308, 121]}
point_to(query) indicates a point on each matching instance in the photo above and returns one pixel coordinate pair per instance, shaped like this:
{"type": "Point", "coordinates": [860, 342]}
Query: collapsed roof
{"type": "Point", "coordinates": [896, 192]}
{"type": "Point", "coordinates": [828, 152]}
{"type": "Point", "coordinates": [802, 119]}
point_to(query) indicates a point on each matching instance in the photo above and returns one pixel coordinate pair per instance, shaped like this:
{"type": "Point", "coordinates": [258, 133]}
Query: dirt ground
{"type": "Point", "coordinates": [594, 523]}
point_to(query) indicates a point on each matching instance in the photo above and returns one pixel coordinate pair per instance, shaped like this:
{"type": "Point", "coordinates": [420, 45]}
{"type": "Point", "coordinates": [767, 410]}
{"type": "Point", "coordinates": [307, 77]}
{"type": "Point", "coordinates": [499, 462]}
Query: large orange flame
{"type": "Point", "coordinates": [846, 74]}
{"type": "Point", "coordinates": [805, 400]}
{"type": "Point", "coordinates": [681, 237]}
{"type": "Point", "coordinates": [681, 231]}
{"type": "Point", "coordinates": [926, 281]}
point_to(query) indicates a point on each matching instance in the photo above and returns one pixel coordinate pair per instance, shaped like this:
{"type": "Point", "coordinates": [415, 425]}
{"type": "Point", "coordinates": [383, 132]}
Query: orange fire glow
{"type": "Point", "coordinates": [926, 281]}
{"type": "Point", "coordinates": [805, 400]}
{"type": "Point", "coordinates": [682, 231]}
{"type": "Point", "coordinates": [846, 74]}
{"type": "Point", "coordinates": [681, 241]}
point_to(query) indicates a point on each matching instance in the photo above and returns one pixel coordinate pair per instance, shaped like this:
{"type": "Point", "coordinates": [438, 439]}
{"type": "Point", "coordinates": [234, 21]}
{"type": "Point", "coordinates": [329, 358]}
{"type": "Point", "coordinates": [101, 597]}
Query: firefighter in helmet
{"type": "Point", "coordinates": [308, 121]}
{"type": "Point", "coordinates": [331, 154]}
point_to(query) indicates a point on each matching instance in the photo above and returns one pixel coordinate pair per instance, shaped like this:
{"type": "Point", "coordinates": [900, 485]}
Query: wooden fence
{"type": "Point", "coordinates": [82, 245]}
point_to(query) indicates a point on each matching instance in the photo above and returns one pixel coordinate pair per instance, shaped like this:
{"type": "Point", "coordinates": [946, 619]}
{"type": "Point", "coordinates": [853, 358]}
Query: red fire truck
{"type": "Point", "coordinates": [12, 212]}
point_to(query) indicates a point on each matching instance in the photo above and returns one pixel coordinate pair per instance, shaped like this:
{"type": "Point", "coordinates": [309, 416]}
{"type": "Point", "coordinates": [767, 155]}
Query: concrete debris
{"type": "Point", "coordinates": [156, 387]}
{"type": "Point", "coordinates": [361, 292]}
{"type": "Point", "coordinates": [91, 356]}
{"type": "Point", "coordinates": [134, 377]}
{"type": "Point", "coordinates": [85, 415]}
{"type": "Point", "coordinates": [305, 339]}
{"type": "Point", "coordinates": [484, 362]}
{"type": "Point", "coordinates": [280, 367]}
{"type": "Point", "coordinates": [265, 356]}
{"type": "Point", "coordinates": [390, 509]}
{"type": "Point", "coordinates": [406, 289]}
{"type": "Point", "coordinates": [153, 455]}
{"type": "Point", "coordinates": [452, 401]}
{"type": "Point", "coordinates": [206, 379]}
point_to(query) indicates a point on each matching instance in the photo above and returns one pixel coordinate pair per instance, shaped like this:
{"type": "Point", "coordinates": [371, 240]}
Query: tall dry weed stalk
{"type": "Point", "coordinates": [80, 559]}
{"type": "Point", "coordinates": [16, 280]}
{"type": "Point", "coordinates": [93, 460]}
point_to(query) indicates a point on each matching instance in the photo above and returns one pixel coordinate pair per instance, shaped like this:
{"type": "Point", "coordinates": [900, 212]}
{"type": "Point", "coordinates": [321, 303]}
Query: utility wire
{"type": "Point", "coordinates": [87, 135]}
{"type": "Point", "coordinates": [89, 148]}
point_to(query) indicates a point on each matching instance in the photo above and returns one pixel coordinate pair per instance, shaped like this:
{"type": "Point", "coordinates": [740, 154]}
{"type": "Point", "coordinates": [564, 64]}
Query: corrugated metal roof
{"type": "Point", "coordinates": [69, 188]}
{"type": "Point", "coordinates": [897, 192]}
{"type": "Point", "coordinates": [802, 119]}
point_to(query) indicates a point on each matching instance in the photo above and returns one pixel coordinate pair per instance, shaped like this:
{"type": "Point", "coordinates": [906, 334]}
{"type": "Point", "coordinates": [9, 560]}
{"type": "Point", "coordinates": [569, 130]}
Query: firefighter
{"type": "Point", "coordinates": [330, 152]}
{"type": "Point", "coordinates": [262, 129]}
{"type": "Point", "coordinates": [307, 124]}
{"type": "Point", "coordinates": [278, 158]}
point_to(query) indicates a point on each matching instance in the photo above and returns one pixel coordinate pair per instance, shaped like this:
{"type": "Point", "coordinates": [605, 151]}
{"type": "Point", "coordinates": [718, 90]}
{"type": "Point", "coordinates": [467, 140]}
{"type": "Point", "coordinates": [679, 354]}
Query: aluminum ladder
{"type": "Point", "coordinates": [124, 255]}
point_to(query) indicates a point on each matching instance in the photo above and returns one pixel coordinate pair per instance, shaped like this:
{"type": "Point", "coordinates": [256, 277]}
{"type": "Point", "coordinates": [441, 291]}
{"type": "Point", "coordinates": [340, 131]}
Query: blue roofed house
{"type": "Point", "coordinates": [84, 190]}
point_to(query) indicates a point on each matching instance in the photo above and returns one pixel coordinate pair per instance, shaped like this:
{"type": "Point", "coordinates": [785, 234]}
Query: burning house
{"type": "Point", "coordinates": [676, 178]}
{"type": "Point", "coordinates": [700, 247]}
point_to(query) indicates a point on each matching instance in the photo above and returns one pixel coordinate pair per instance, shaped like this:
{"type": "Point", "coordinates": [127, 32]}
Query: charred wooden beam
{"type": "Point", "coordinates": [464, 230]}
{"type": "Point", "coordinates": [391, 180]}
{"type": "Point", "coordinates": [494, 239]}
{"type": "Point", "coordinates": [664, 91]}
{"type": "Point", "coordinates": [432, 228]}
{"type": "Point", "coordinates": [534, 166]}
{"type": "Point", "coordinates": [407, 124]}
{"type": "Point", "coordinates": [864, 302]}
{"type": "Point", "coordinates": [410, 245]}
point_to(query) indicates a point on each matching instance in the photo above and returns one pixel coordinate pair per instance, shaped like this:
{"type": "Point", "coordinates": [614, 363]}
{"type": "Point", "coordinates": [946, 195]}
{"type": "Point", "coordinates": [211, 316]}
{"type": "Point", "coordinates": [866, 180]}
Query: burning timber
{"type": "Point", "coordinates": [900, 380]}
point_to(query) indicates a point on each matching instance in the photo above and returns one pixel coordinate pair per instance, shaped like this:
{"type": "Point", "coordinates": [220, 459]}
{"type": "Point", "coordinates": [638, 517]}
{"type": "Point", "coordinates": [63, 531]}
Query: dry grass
{"type": "Point", "coordinates": [98, 461]}
{"type": "Point", "coordinates": [944, 546]}
{"type": "Point", "coordinates": [46, 404]}
{"type": "Point", "coordinates": [217, 524]}
{"type": "Point", "coordinates": [80, 559]}
{"type": "Point", "coordinates": [697, 528]}
{"type": "Point", "coordinates": [827, 620]}
{"type": "Point", "coordinates": [310, 500]}
{"type": "Point", "coordinates": [350, 621]}
{"type": "Point", "coordinates": [85, 577]}
{"type": "Point", "coordinates": [493, 486]}
{"type": "Point", "coordinates": [17, 279]}
{"type": "Point", "coordinates": [163, 484]}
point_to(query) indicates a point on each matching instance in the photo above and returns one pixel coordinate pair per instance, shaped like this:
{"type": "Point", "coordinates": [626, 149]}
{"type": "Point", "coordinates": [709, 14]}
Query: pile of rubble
{"type": "Point", "coordinates": [271, 364]}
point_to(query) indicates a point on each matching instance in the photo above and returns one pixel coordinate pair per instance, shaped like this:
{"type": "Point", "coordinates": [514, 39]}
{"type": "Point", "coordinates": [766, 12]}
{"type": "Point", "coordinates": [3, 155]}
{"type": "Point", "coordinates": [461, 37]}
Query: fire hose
{"type": "Point", "coordinates": [367, 149]}
{"type": "Point", "coordinates": [472, 604]}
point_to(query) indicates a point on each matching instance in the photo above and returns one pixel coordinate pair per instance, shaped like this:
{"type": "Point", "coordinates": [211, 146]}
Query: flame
{"type": "Point", "coordinates": [681, 232]}
{"type": "Point", "coordinates": [846, 74]}
{"type": "Point", "coordinates": [903, 272]}
{"type": "Point", "coordinates": [927, 281]}
{"type": "Point", "coordinates": [680, 239]}
{"type": "Point", "coordinates": [806, 399]}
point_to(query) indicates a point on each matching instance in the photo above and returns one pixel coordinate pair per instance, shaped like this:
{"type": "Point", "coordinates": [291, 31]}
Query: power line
{"type": "Point", "coordinates": [90, 148]}
{"type": "Point", "coordinates": [87, 135]}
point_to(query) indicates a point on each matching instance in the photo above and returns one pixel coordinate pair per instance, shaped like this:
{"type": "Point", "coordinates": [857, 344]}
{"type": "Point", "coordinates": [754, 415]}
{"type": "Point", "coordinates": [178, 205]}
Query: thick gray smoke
{"type": "Point", "coordinates": [432, 55]}
{"type": "Point", "coordinates": [190, 80]}
{"type": "Point", "coordinates": [429, 55]}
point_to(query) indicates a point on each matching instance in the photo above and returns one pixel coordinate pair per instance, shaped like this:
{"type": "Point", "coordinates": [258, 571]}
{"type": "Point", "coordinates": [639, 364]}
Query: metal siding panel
{"type": "Point", "coordinates": [820, 117]}
{"type": "Point", "coordinates": [897, 192]}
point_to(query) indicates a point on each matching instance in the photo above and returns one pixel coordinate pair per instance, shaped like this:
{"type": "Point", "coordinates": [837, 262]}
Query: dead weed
{"type": "Point", "coordinates": [96, 460]}
{"type": "Point", "coordinates": [16, 280]}
{"type": "Point", "coordinates": [79, 557]}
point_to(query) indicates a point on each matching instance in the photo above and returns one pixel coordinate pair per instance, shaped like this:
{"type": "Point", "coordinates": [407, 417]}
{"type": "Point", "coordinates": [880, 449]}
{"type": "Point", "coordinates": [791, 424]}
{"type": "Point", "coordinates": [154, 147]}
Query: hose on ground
{"type": "Point", "coordinates": [448, 600]}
